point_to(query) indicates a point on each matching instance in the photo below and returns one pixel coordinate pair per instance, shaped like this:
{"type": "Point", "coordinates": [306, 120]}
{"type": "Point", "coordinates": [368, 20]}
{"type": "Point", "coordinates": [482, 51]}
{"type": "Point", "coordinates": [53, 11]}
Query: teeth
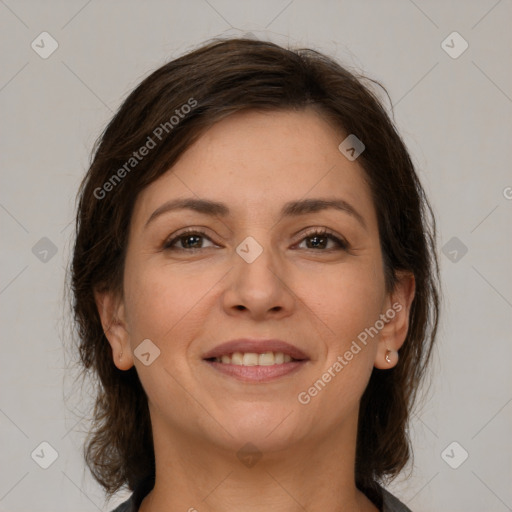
{"type": "Point", "coordinates": [279, 358]}
{"type": "Point", "coordinates": [253, 359]}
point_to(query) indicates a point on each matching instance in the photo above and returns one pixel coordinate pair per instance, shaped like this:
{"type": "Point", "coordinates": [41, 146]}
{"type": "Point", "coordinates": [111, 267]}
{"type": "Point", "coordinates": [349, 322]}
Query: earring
{"type": "Point", "coordinates": [388, 358]}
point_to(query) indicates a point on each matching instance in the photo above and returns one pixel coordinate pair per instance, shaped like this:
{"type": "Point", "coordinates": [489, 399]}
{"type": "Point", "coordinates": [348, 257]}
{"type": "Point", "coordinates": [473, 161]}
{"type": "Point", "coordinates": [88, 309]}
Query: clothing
{"type": "Point", "coordinates": [382, 498]}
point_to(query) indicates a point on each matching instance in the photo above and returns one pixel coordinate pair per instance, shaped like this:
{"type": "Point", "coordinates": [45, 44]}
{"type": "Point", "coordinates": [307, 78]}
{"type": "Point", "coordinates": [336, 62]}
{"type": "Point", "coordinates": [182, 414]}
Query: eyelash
{"type": "Point", "coordinates": [324, 233]}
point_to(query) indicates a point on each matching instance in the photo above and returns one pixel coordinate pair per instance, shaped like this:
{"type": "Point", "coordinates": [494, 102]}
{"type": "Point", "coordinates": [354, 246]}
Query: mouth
{"type": "Point", "coordinates": [256, 360]}
{"type": "Point", "coordinates": [255, 372]}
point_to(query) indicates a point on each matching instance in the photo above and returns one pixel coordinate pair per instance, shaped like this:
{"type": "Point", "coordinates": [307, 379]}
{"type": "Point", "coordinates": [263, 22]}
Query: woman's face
{"type": "Point", "coordinates": [256, 270]}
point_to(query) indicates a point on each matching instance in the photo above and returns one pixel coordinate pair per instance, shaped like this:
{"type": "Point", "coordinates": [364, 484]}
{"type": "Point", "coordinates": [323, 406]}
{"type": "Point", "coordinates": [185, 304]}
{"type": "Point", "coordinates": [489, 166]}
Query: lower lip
{"type": "Point", "coordinates": [257, 373]}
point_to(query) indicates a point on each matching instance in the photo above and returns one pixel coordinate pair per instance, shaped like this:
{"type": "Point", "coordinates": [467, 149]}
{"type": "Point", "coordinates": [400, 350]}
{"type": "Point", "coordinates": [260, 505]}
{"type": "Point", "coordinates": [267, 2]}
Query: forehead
{"type": "Point", "coordinates": [256, 161]}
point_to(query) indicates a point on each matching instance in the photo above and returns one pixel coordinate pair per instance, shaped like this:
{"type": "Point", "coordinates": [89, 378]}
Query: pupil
{"type": "Point", "coordinates": [317, 238]}
{"type": "Point", "coordinates": [189, 237]}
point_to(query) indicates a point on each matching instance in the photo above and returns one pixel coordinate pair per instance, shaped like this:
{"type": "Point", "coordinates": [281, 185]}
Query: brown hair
{"type": "Point", "coordinates": [217, 79]}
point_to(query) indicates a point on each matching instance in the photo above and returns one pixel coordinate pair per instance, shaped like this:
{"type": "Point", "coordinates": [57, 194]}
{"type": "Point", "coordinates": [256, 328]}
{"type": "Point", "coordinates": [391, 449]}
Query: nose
{"type": "Point", "coordinates": [260, 288]}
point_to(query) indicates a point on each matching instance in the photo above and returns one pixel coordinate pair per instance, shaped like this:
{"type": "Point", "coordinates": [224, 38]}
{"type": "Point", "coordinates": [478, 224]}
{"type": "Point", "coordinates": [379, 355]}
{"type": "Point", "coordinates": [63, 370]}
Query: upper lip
{"type": "Point", "coordinates": [258, 346]}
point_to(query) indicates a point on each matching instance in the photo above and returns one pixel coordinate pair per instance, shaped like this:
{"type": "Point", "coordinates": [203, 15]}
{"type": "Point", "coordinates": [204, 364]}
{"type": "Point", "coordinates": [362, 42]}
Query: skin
{"type": "Point", "coordinates": [317, 298]}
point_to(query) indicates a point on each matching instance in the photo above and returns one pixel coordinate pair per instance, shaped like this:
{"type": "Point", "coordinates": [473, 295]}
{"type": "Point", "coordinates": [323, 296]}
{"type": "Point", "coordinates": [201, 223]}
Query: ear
{"type": "Point", "coordinates": [112, 314]}
{"type": "Point", "coordinates": [396, 311]}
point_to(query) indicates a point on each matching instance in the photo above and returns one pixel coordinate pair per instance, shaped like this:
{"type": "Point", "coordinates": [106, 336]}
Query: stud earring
{"type": "Point", "coordinates": [388, 357]}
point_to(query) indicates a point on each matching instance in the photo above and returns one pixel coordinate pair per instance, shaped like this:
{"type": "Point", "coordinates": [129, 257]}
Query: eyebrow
{"type": "Point", "coordinates": [290, 209]}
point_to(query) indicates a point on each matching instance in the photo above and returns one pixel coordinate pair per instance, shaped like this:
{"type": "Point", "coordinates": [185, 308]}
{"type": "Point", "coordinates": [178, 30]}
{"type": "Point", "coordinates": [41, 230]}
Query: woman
{"type": "Point", "coordinates": [255, 287]}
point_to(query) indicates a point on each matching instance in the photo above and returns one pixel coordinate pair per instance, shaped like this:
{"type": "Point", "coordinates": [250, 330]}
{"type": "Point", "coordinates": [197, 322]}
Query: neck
{"type": "Point", "coordinates": [316, 475]}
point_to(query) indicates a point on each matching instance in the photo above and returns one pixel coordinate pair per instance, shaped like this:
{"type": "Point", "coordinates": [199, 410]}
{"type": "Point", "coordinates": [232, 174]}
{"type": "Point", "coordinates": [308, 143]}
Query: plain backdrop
{"type": "Point", "coordinates": [452, 105]}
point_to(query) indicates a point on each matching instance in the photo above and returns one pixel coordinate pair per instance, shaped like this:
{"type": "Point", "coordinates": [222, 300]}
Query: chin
{"type": "Point", "coordinates": [269, 428]}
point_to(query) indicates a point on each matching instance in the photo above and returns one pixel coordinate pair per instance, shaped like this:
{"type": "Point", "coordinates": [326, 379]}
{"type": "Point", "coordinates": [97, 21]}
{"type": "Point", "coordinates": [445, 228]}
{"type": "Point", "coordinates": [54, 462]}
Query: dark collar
{"type": "Point", "coordinates": [380, 497]}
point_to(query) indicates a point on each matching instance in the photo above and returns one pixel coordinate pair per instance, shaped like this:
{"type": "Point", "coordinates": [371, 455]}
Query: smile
{"type": "Point", "coordinates": [253, 367]}
{"type": "Point", "coordinates": [254, 359]}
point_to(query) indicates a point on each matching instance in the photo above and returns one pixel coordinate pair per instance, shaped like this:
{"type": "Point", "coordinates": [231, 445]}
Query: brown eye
{"type": "Point", "coordinates": [320, 239]}
{"type": "Point", "coordinates": [190, 240]}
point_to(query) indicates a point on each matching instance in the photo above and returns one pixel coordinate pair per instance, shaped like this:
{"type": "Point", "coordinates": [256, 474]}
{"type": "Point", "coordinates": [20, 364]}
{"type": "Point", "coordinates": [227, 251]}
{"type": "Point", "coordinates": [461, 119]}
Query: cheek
{"type": "Point", "coordinates": [346, 302]}
{"type": "Point", "coordinates": [161, 301]}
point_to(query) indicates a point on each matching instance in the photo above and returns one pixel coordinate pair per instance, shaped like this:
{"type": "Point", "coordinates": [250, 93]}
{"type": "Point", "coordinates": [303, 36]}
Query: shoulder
{"type": "Point", "coordinates": [126, 506]}
{"type": "Point", "coordinates": [383, 499]}
{"type": "Point", "coordinates": [391, 503]}
{"type": "Point", "coordinates": [132, 504]}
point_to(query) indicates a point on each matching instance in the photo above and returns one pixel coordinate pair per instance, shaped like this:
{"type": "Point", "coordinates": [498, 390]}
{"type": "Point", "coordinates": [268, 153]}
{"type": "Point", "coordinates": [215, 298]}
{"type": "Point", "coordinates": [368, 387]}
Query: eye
{"type": "Point", "coordinates": [190, 240]}
{"type": "Point", "coordinates": [321, 237]}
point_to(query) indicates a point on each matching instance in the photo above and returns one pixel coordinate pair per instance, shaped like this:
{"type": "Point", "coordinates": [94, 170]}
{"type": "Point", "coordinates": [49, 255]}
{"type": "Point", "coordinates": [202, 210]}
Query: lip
{"type": "Point", "coordinates": [257, 374]}
{"type": "Point", "coordinates": [257, 346]}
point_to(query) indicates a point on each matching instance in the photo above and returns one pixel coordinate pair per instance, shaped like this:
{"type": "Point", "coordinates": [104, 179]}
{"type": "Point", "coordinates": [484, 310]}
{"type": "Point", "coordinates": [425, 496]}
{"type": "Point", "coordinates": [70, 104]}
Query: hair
{"type": "Point", "coordinates": [213, 81]}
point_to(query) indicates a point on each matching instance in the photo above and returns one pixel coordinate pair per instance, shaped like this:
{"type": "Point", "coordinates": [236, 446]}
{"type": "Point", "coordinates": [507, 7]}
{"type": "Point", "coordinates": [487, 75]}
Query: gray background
{"type": "Point", "coordinates": [454, 114]}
